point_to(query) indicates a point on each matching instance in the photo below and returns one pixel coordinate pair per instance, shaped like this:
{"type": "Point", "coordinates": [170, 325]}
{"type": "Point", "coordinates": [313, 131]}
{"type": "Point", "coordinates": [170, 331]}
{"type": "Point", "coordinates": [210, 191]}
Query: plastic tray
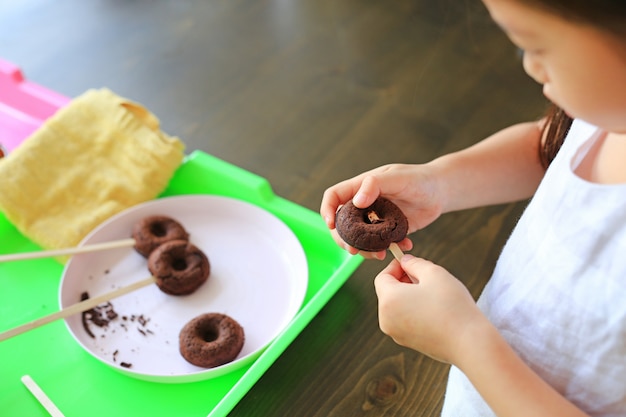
{"type": "Point", "coordinates": [78, 384]}
{"type": "Point", "coordinates": [23, 105]}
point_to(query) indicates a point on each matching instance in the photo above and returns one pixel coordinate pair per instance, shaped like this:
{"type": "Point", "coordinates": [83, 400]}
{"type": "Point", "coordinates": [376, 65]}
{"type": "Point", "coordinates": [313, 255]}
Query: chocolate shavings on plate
{"type": "Point", "coordinates": [103, 314]}
{"type": "Point", "coordinates": [100, 315]}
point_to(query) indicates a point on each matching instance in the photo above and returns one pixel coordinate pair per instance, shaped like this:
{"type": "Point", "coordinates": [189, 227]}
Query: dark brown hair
{"type": "Point", "coordinates": [555, 128]}
{"type": "Point", "coordinates": [606, 15]}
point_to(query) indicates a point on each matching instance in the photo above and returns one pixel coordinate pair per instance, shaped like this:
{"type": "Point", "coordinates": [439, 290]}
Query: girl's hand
{"type": "Point", "coordinates": [438, 317]}
{"type": "Point", "coordinates": [502, 168]}
{"type": "Point", "coordinates": [410, 187]}
{"type": "Point", "coordinates": [431, 316]}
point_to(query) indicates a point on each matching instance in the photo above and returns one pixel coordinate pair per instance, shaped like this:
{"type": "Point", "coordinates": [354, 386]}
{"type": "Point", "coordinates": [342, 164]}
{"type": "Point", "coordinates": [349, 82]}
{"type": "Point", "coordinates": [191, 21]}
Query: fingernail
{"type": "Point", "coordinates": [358, 200]}
{"type": "Point", "coordinates": [406, 257]}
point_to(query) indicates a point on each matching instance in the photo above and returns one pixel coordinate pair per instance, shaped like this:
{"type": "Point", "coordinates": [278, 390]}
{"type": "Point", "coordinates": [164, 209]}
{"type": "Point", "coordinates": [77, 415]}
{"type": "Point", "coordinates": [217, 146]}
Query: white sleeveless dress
{"type": "Point", "coordinates": [558, 292]}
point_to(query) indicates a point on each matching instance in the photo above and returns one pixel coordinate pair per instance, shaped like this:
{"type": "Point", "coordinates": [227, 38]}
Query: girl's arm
{"type": "Point", "coordinates": [504, 167]}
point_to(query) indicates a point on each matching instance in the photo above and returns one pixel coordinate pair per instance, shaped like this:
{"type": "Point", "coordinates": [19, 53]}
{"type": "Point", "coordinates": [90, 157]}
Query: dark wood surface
{"type": "Point", "coordinates": [307, 93]}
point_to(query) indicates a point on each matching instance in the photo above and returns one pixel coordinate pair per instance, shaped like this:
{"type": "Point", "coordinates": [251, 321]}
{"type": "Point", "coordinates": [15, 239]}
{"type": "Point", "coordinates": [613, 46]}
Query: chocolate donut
{"type": "Point", "coordinates": [152, 231]}
{"type": "Point", "coordinates": [179, 267]}
{"type": "Point", "coordinates": [371, 229]}
{"type": "Point", "coordinates": [211, 340]}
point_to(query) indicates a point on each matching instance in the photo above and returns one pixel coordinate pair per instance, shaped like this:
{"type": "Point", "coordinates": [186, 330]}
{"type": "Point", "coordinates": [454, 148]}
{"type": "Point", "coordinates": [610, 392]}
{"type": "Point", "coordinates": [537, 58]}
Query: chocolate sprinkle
{"type": "Point", "coordinates": [103, 314]}
{"type": "Point", "coordinates": [100, 315]}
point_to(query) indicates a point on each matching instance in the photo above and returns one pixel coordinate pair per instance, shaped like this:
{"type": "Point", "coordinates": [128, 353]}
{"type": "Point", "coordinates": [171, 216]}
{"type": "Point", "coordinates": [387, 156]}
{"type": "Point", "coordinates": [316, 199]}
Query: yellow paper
{"type": "Point", "coordinates": [94, 158]}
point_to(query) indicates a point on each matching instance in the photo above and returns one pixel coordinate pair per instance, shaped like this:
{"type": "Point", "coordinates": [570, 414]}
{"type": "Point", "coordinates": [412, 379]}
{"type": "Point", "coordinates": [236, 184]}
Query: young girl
{"type": "Point", "coordinates": [548, 335]}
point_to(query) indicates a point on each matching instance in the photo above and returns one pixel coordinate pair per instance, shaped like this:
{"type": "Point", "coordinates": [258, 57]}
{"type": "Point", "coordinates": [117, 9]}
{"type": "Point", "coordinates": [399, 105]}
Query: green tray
{"type": "Point", "coordinates": [82, 386]}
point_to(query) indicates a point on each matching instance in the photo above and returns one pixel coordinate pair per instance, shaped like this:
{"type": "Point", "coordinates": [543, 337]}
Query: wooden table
{"type": "Point", "coordinates": [307, 93]}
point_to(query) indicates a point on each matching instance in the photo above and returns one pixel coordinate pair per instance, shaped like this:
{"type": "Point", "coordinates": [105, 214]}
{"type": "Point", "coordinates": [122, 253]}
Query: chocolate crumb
{"type": "Point", "coordinates": [100, 315]}
{"type": "Point", "coordinates": [103, 314]}
{"type": "Point", "coordinates": [110, 313]}
{"type": "Point", "coordinates": [126, 365]}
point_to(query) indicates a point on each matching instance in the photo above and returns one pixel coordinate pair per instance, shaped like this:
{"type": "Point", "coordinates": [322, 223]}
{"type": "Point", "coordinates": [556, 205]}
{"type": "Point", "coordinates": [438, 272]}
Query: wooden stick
{"type": "Point", "coordinates": [68, 251]}
{"type": "Point", "coordinates": [396, 251]}
{"type": "Point", "coordinates": [41, 396]}
{"type": "Point", "coordinates": [76, 308]}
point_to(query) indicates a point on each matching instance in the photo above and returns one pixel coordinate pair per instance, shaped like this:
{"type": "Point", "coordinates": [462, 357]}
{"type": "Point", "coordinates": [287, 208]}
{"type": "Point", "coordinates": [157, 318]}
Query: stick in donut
{"type": "Point", "coordinates": [374, 228]}
{"type": "Point", "coordinates": [147, 235]}
{"type": "Point", "coordinates": [152, 231]}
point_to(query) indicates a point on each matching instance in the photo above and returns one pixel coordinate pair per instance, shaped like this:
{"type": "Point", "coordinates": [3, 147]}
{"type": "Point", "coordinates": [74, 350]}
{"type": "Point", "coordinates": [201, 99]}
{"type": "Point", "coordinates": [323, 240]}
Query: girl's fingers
{"type": "Point", "coordinates": [415, 266]}
{"type": "Point", "coordinates": [391, 275]}
{"type": "Point", "coordinates": [367, 193]}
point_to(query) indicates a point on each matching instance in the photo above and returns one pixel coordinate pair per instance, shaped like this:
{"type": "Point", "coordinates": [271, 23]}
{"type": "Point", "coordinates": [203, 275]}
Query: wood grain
{"type": "Point", "coordinates": [307, 93]}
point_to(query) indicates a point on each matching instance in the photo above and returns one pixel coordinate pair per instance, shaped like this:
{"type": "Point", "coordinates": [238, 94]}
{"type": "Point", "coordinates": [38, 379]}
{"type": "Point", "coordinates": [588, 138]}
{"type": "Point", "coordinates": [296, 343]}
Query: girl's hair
{"type": "Point", "coordinates": [555, 128]}
{"type": "Point", "coordinates": [606, 15]}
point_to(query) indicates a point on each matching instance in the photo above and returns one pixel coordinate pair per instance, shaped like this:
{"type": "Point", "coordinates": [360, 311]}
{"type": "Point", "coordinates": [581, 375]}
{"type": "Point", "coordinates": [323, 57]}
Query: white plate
{"type": "Point", "coordinates": [259, 277]}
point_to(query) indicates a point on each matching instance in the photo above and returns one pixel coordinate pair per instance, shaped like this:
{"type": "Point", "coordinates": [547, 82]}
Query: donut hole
{"type": "Point", "coordinates": [179, 264]}
{"type": "Point", "coordinates": [158, 229]}
{"type": "Point", "coordinates": [372, 217]}
{"type": "Point", "coordinates": [209, 335]}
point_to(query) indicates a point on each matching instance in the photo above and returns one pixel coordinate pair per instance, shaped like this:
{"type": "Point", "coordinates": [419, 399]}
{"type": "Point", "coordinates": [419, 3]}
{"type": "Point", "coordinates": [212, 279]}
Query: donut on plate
{"type": "Point", "coordinates": [211, 340]}
{"type": "Point", "coordinates": [374, 228]}
{"type": "Point", "coordinates": [152, 231]}
{"type": "Point", "coordinates": [179, 267]}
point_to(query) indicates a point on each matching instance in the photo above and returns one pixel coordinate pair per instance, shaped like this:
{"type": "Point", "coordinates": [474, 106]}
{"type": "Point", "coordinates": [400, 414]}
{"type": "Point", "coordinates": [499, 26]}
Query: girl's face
{"type": "Point", "coordinates": [582, 69]}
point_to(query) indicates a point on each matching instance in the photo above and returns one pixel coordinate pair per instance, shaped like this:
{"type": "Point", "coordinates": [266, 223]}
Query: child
{"type": "Point", "coordinates": [548, 335]}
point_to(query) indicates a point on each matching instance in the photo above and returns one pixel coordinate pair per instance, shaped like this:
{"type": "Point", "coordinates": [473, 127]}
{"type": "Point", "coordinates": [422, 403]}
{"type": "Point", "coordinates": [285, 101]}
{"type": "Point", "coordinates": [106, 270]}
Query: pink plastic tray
{"type": "Point", "coordinates": [24, 106]}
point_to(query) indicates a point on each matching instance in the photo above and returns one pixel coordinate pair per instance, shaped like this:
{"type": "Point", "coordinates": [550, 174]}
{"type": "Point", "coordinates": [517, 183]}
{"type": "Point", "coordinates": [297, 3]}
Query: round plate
{"type": "Point", "coordinates": [259, 277]}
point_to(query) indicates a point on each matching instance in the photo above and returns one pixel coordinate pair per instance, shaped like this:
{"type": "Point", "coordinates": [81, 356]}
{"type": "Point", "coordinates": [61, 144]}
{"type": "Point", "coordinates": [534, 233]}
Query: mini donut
{"type": "Point", "coordinates": [150, 232]}
{"type": "Point", "coordinates": [211, 340]}
{"type": "Point", "coordinates": [179, 267]}
{"type": "Point", "coordinates": [374, 228]}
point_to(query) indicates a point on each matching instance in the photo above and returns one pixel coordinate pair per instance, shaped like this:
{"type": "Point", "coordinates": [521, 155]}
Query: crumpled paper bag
{"type": "Point", "coordinates": [95, 157]}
